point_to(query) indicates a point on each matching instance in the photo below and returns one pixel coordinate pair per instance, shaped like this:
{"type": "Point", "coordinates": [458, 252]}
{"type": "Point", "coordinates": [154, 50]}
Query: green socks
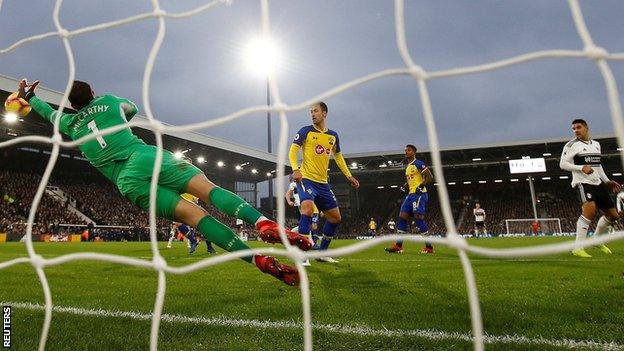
{"type": "Point", "coordinates": [232, 205]}
{"type": "Point", "coordinates": [222, 236]}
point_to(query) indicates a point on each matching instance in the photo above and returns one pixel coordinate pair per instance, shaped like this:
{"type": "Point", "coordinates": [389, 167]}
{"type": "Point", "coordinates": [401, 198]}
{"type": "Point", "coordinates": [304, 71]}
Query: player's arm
{"type": "Point", "coordinates": [128, 108]}
{"type": "Point", "coordinates": [426, 174]}
{"type": "Point", "coordinates": [289, 195]}
{"type": "Point", "coordinates": [292, 156]}
{"type": "Point", "coordinates": [614, 186]}
{"type": "Point", "coordinates": [342, 164]}
{"type": "Point", "coordinates": [48, 113]}
{"type": "Point", "coordinates": [27, 92]}
{"type": "Point", "coordinates": [567, 162]}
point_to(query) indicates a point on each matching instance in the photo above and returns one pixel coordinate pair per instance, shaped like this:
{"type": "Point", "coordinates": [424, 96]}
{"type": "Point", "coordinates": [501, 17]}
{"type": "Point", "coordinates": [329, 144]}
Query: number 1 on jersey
{"type": "Point", "coordinates": [94, 128]}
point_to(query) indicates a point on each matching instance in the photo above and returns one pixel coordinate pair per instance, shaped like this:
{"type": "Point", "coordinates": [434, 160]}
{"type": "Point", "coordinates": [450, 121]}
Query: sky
{"type": "Point", "coordinates": [200, 72]}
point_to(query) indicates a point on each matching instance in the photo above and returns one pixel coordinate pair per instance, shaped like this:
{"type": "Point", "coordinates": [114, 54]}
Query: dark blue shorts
{"type": "Point", "coordinates": [184, 229]}
{"type": "Point", "coordinates": [320, 193]}
{"type": "Point", "coordinates": [415, 203]}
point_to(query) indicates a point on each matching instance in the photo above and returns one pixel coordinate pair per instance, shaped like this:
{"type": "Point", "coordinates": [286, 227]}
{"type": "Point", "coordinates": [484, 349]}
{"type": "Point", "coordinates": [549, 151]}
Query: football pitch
{"type": "Point", "coordinates": [371, 300]}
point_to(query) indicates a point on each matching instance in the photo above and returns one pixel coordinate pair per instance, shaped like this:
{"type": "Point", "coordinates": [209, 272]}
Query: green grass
{"type": "Point", "coordinates": [554, 297]}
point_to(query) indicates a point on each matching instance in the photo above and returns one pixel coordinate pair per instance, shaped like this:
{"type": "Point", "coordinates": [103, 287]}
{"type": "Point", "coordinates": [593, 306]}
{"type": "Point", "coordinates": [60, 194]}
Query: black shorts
{"type": "Point", "coordinates": [479, 224]}
{"type": "Point", "coordinates": [600, 194]}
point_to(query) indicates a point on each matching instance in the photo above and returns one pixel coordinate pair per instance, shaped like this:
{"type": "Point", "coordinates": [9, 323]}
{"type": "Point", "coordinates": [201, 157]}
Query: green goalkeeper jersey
{"type": "Point", "coordinates": [103, 112]}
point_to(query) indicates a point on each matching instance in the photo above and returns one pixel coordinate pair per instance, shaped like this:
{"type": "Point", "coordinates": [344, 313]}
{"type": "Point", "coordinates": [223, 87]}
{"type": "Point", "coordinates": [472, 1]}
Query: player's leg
{"type": "Point", "coordinates": [326, 202]}
{"type": "Point", "coordinates": [307, 193]}
{"type": "Point", "coordinates": [332, 220]}
{"type": "Point", "coordinates": [133, 182]}
{"type": "Point", "coordinates": [220, 234]}
{"type": "Point", "coordinates": [172, 234]}
{"type": "Point", "coordinates": [233, 205]}
{"type": "Point", "coordinates": [314, 227]}
{"type": "Point", "coordinates": [405, 214]}
{"type": "Point", "coordinates": [609, 217]}
{"type": "Point", "coordinates": [582, 224]}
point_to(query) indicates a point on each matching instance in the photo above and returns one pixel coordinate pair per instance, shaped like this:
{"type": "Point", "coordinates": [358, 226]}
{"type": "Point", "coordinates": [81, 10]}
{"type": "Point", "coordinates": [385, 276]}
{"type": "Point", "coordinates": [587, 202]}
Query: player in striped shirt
{"type": "Point", "coordinates": [581, 156]}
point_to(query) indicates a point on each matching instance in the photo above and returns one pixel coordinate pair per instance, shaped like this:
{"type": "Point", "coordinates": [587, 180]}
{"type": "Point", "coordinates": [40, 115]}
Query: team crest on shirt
{"type": "Point", "coordinates": [319, 149]}
{"type": "Point", "coordinates": [331, 141]}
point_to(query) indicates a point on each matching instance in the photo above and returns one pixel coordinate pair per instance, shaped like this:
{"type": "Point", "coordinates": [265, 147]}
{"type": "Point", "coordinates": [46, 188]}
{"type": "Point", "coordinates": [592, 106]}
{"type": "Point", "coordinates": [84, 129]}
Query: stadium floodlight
{"type": "Point", "coordinates": [526, 157]}
{"type": "Point", "coordinates": [563, 177]}
{"type": "Point", "coordinates": [482, 182]}
{"type": "Point", "coordinates": [201, 159]}
{"type": "Point", "coordinates": [467, 182]}
{"type": "Point", "coordinates": [220, 164]}
{"type": "Point", "coordinates": [10, 117]}
{"type": "Point", "coordinates": [262, 56]}
{"type": "Point", "coordinates": [546, 154]}
{"type": "Point", "coordinates": [451, 183]}
{"type": "Point", "coordinates": [477, 159]}
{"type": "Point", "coordinates": [268, 174]}
{"type": "Point", "coordinates": [238, 167]}
{"type": "Point", "coordinates": [617, 174]}
{"type": "Point", "coordinates": [514, 179]}
{"type": "Point", "coordinates": [178, 154]}
{"type": "Point", "coordinates": [380, 187]}
{"type": "Point", "coordinates": [254, 171]}
{"type": "Point", "coordinates": [498, 181]}
{"type": "Point", "coordinates": [545, 178]}
{"type": "Point", "coordinates": [383, 165]}
{"type": "Point", "coordinates": [620, 149]}
{"type": "Point", "coordinates": [394, 186]}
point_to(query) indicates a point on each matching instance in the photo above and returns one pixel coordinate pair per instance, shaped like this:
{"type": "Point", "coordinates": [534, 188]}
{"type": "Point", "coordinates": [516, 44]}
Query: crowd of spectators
{"type": "Point", "coordinates": [100, 201]}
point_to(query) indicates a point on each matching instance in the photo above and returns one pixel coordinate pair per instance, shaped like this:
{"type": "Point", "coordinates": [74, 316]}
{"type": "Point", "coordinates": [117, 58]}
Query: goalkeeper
{"type": "Point", "coordinates": [128, 162]}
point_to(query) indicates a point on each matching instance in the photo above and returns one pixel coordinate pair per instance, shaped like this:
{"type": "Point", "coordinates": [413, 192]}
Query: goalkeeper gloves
{"type": "Point", "coordinates": [26, 91]}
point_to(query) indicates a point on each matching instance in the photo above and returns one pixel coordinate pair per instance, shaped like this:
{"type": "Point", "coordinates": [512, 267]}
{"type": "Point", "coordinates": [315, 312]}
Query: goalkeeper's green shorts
{"type": "Point", "coordinates": [134, 174]}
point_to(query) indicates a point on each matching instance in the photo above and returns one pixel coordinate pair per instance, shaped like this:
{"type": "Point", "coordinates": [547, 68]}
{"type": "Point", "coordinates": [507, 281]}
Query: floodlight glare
{"type": "Point", "coordinates": [220, 164]}
{"type": "Point", "coordinates": [200, 159]}
{"type": "Point", "coordinates": [10, 117]}
{"type": "Point", "coordinates": [262, 56]}
{"type": "Point", "coordinates": [254, 171]}
{"type": "Point", "coordinates": [178, 154]}
{"type": "Point", "coordinates": [238, 167]}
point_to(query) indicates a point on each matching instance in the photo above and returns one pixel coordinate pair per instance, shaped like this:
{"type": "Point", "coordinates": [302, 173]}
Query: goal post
{"type": "Point", "coordinates": [547, 226]}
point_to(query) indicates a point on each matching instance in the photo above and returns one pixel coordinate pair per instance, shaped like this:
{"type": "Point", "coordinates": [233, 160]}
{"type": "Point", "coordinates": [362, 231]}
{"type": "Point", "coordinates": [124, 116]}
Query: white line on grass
{"type": "Point", "coordinates": [438, 258]}
{"type": "Point", "coordinates": [430, 334]}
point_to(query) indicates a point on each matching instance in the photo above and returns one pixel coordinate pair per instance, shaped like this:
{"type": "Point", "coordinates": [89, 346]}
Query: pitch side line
{"type": "Point", "coordinates": [430, 334]}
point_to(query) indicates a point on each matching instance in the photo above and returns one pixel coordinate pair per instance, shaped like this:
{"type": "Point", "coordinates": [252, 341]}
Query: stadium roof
{"type": "Point", "coordinates": [460, 163]}
{"type": "Point", "coordinates": [487, 162]}
{"type": "Point", "coordinates": [212, 149]}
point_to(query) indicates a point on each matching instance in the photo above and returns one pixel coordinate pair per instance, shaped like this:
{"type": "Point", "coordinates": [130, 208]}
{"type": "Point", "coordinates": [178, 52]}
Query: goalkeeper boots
{"type": "Point", "coordinates": [604, 249]}
{"type": "Point", "coordinates": [269, 265]}
{"type": "Point", "coordinates": [580, 253]}
{"type": "Point", "coordinates": [394, 249]}
{"type": "Point", "coordinates": [269, 232]}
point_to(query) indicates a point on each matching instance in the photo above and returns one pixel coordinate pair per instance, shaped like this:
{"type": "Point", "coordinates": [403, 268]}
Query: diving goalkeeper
{"type": "Point", "coordinates": [128, 162]}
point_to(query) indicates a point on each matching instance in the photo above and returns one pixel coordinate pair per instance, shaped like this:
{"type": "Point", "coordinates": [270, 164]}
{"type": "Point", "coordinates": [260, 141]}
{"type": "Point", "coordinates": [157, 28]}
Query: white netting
{"type": "Point", "coordinates": [591, 51]}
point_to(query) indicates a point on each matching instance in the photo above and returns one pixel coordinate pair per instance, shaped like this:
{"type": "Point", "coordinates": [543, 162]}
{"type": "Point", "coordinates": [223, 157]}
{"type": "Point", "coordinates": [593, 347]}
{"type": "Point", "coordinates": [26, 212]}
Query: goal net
{"type": "Point", "coordinates": [526, 226]}
{"type": "Point", "coordinates": [410, 68]}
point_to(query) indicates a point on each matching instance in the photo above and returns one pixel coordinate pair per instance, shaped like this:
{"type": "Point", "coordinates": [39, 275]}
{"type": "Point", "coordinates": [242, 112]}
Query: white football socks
{"type": "Point", "coordinates": [582, 226]}
{"type": "Point", "coordinates": [603, 226]}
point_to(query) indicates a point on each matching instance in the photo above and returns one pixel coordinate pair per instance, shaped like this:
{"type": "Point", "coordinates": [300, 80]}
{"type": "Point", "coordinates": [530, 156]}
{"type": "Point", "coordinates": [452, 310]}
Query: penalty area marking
{"type": "Point", "coordinates": [360, 330]}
